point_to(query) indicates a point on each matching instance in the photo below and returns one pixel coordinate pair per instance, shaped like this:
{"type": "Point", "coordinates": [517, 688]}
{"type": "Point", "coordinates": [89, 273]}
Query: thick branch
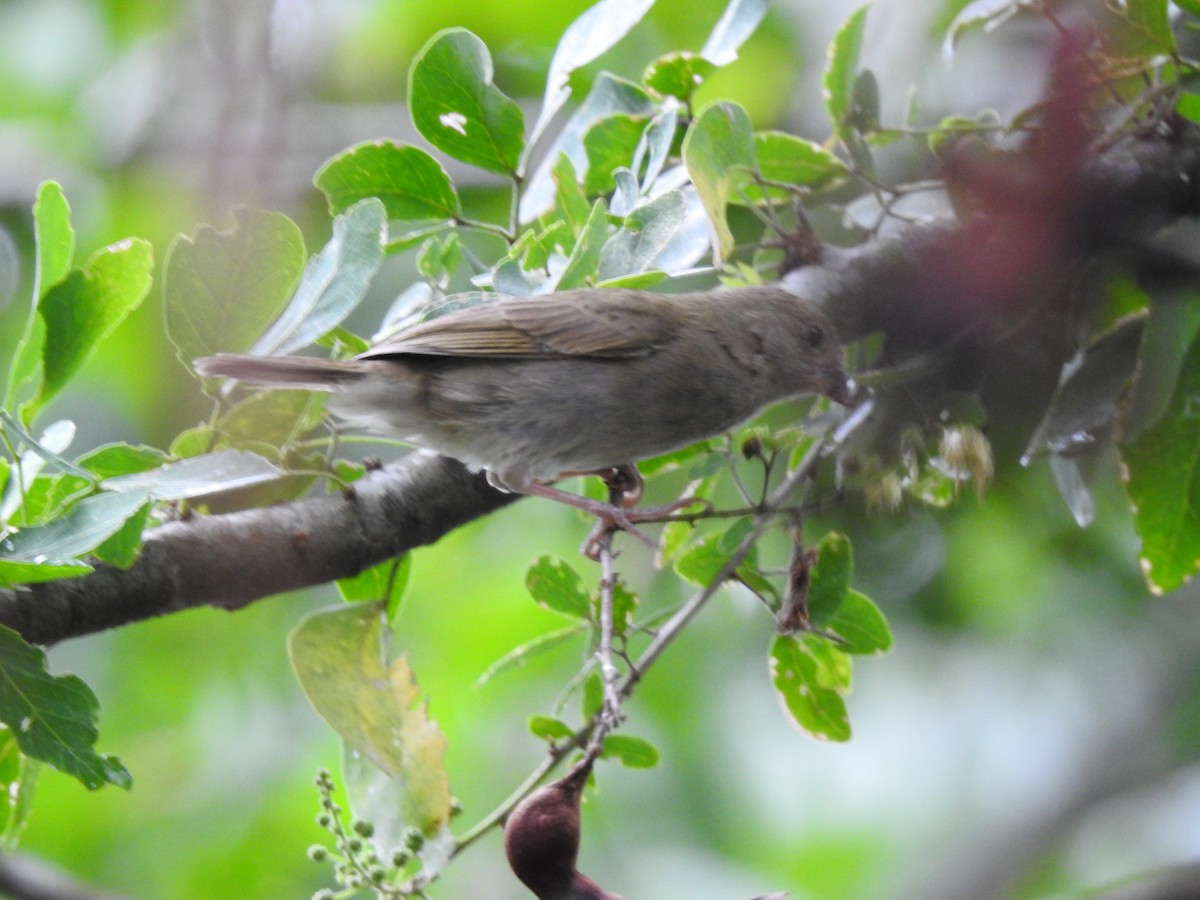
{"type": "Point", "coordinates": [233, 559]}
{"type": "Point", "coordinates": [931, 280]}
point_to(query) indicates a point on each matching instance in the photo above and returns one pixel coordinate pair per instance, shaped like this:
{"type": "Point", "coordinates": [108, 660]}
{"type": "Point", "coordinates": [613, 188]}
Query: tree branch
{"type": "Point", "coordinates": [233, 559]}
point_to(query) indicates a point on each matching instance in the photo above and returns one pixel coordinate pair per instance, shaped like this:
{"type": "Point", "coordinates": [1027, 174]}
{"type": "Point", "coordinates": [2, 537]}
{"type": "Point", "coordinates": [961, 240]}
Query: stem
{"type": "Point", "coordinates": [479, 225]}
{"type": "Point", "coordinates": [610, 714]}
{"type": "Point", "coordinates": [545, 767]}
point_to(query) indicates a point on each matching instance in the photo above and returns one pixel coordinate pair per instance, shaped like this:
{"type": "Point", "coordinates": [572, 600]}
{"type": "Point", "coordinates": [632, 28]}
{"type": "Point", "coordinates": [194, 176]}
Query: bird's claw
{"type": "Point", "coordinates": [617, 518]}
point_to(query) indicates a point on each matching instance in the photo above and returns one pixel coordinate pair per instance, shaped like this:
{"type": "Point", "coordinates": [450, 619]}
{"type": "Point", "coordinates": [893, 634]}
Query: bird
{"type": "Point", "coordinates": [589, 380]}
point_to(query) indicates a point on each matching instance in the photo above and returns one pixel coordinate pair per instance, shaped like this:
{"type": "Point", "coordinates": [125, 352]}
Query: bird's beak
{"type": "Point", "coordinates": [840, 389]}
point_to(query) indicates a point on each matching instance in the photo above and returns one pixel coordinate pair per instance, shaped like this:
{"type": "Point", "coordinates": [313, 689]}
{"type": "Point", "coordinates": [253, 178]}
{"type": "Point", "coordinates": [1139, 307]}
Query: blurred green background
{"type": "Point", "coordinates": [1032, 733]}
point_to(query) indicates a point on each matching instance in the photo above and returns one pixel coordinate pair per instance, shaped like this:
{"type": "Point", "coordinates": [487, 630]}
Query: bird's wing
{"type": "Point", "coordinates": [596, 325]}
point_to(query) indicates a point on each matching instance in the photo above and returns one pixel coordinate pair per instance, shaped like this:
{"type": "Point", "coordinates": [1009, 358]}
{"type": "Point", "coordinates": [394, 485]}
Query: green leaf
{"type": "Point", "coordinates": [864, 109]}
{"type": "Point", "coordinates": [625, 603]}
{"type": "Point", "coordinates": [548, 728]}
{"type": "Point", "coordinates": [569, 199]}
{"type": "Point", "coordinates": [989, 13]}
{"type": "Point", "coordinates": [410, 182]}
{"type": "Point", "coordinates": [584, 262]}
{"type": "Point", "coordinates": [63, 540]}
{"type": "Point", "coordinates": [82, 310]}
{"type": "Point", "coordinates": [518, 656]}
{"type": "Point", "coordinates": [15, 573]}
{"type": "Point", "coordinates": [340, 340]}
{"type": "Point", "coordinates": [592, 699]}
{"type": "Point", "coordinates": [122, 547]}
{"type": "Point", "coordinates": [609, 96]}
{"type": "Point", "coordinates": [341, 659]}
{"type": "Point", "coordinates": [222, 288]}
{"type": "Point", "coordinates": [861, 624]}
{"type": "Point", "coordinates": [707, 466]}
{"type": "Point", "coordinates": [1085, 404]}
{"type": "Point", "coordinates": [610, 144]}
{"type": "Point", "coordinates": [439, 258]}
{"type": "Point", "coordinates": [632, 752]}
{"type": "Point", "coordinates": [646, 232]}
{"type": "Point", "coordinates": [626, 191]}
{"type": "Point", "coordinates": [271, 417]}
{"type": "Point", "coordinates": [719, 154]}
{"type": "Point", "coordinates": [457, 108]}
{"type": "Point", "coordinates": [737, 23]}
{"type": "Point", "coordinates": [677, 74]}
{"type": "Point", "coordinates": [384, 582]}
{"type": "Point", "coordinates": [830, 578]}
{"type": "Point", "coordinates": [55, 247]}
{"type": "Point", "coordinates": [54, 236]}
{"type": "Point", "coordinates": [1163, 484]}
{"type": "Point", "coordinates": [673, 538]}
{"type": "Point", "coordinates": [1150, 20]}
{"type": "Point", "coordinates": [198, 476]}
{"type": "Point", "coordinates": [841, 70]}
{"type": "Point", "coordinates": [193, 442]}
{"type": "Point", "coordinates": [792, 160]}
{"type": "Point", "coordinates": [411, 238]}
{"type": "Point", "coordinates": [52, 718]}
{"type": "Point", "coordinates": [18, 778]}
{"type": "Point", "coordinates": [634, 280]}
{"type": "Point", "coordinates": [555, 585]}
{"type": "Point", "coordinates": [112, 460]}
{"type": "Point", "coordinates": [510, 277]}
{"type": "Point", "coordinates": [802, 685]}
{"type": "Point", "coordinates": [334, 281]}
{"type": "Point", "coordinates": [554, 238]}
{"type": "Point", "coordinates": [732, 537]}
{"type": "Point", "coordinates": [657, 143]}
{"type": "Point", "coordinates": [703, 561]}
{"type": "Point", "coordinates": [49, 496]}
{"type": "Point", "coordinates": [53, 440]}
{"type": "Point", "coordinates": [1188, 106]}
{"type": "Point", "coordinates": [835, 667]}
{"type": "Point", "coordinates": [1171, 328]}
{"type": "Point", "coordinates": [756, 581]}
{"type": "Point", "coordinates": [598, 29]}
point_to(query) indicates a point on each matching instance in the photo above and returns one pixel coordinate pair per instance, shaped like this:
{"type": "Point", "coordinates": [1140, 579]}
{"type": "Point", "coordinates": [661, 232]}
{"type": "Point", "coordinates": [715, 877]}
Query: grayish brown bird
{"type": "Point", "coordinates": [589, 380]}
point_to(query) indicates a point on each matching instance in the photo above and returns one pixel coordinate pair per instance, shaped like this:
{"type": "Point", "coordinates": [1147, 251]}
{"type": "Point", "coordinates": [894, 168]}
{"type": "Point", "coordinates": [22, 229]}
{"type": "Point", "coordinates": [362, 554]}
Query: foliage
{"type": "Point", "coordinates": [640, 187]}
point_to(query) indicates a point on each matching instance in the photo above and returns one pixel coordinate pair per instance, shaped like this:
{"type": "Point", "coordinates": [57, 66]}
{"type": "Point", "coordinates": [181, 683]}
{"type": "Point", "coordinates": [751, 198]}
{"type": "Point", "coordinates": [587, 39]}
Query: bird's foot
{"type": "Point", "coordinates": [610, 518]}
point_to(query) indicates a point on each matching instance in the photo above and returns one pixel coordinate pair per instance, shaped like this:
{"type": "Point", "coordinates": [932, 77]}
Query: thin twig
{"type": "Point", "coordinates": [688, 611]}
{"type": "Point", "coordinates": [610, 714]}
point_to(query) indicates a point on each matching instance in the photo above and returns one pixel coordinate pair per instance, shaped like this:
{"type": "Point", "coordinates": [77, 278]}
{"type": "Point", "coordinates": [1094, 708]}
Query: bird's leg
{"type": "Point", "coordinates": [624, 482]}
{"type": "Point", "coordinates": [625, 489]}
{"type": "Point", "coordinates": [610, 516]}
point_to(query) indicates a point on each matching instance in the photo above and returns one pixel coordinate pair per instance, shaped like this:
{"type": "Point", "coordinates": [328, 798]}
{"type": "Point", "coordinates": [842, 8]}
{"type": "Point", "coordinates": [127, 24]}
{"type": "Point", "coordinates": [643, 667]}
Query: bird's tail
{"type": "Point", "coordinates": [282, 371]}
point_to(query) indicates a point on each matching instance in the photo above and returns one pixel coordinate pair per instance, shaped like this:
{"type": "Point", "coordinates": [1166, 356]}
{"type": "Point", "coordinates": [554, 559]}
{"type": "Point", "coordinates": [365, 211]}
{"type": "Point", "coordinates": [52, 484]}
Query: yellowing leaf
{"type": "Point", "coordinates": [341, 659]}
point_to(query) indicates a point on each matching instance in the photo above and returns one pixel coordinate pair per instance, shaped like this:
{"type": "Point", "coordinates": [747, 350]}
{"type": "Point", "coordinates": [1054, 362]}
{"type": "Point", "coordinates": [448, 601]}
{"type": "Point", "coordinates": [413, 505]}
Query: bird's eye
{"type": "Point", "coordinates": [814, 336]}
